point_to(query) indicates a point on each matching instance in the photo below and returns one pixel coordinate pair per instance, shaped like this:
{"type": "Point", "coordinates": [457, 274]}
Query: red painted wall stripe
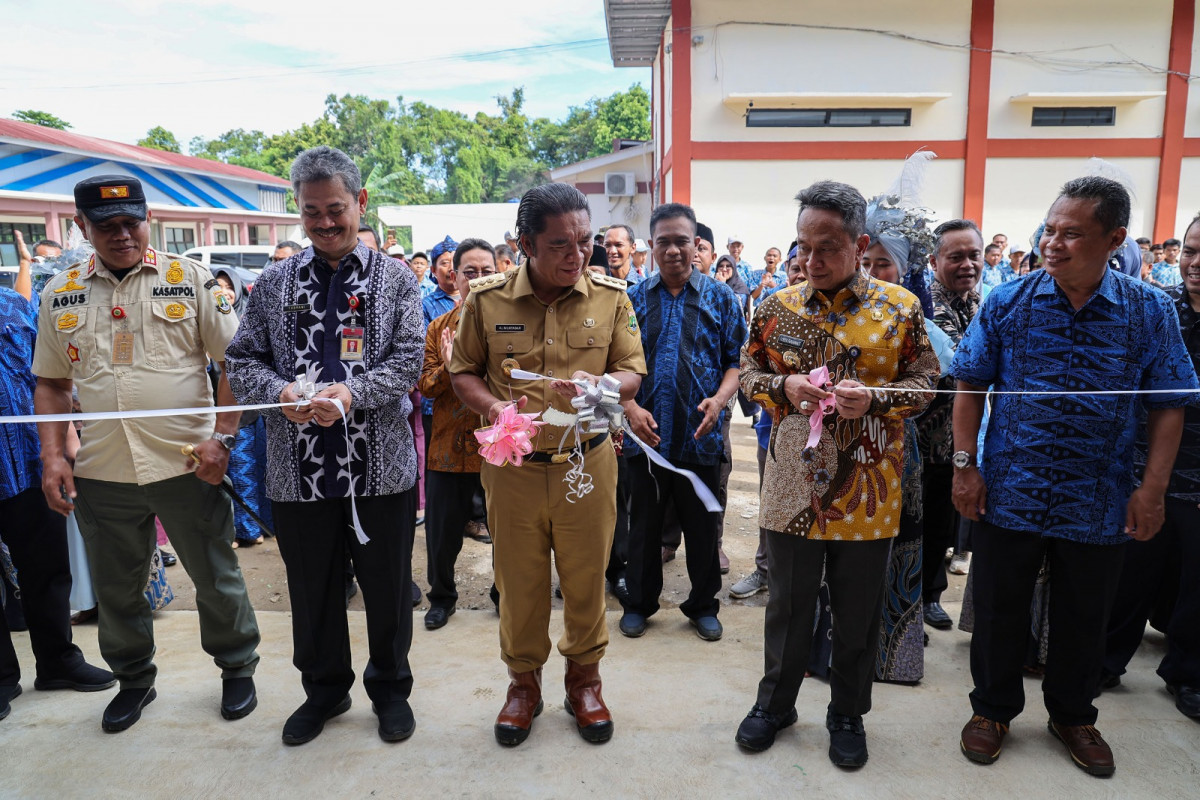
{"type": "Point", "coordinates": [1183, 21]}
{"type": "Point", "coordinates": [979, 92]}
{"type": "Point", "coordinates": [681, 99]}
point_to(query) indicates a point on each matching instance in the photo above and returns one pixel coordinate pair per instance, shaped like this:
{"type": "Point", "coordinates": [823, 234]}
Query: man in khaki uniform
{"type": "Point", "coordinates": [552, 317]}
{"type": "Point", "coordinates": [132, 328]}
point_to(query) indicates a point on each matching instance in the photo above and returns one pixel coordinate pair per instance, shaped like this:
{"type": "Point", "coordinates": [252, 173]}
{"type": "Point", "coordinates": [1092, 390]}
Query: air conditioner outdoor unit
{"type": "Point", "coordinates": [620, 184]}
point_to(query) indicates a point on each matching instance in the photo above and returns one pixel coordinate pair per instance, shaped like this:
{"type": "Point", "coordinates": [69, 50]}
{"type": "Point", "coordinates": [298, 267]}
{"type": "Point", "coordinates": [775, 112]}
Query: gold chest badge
{"type": "Point", "coordinates": [174, 273]}
{"type": "Point", "coordinates": [67, 321]}
{"type": "Point", "coordinates": [176, 310]}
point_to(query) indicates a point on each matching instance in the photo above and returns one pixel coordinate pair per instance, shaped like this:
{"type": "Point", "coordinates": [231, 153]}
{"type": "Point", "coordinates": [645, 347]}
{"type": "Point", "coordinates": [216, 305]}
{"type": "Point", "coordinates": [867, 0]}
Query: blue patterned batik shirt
{"type": "Point", "coordinates": [1164, 275]}
{"type": "Point", "coordinates": [1062, 465]}
{"type": "Point", "coordinates": [20, 468]}
{"type": "Point", "coordinates": [433, 306]}
{"type": "Point", "coordinates": [690, 340]}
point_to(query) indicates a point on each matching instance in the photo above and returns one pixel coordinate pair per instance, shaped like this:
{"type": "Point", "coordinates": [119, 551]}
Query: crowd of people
{"type": "Point", "coordinates": [919, 397]}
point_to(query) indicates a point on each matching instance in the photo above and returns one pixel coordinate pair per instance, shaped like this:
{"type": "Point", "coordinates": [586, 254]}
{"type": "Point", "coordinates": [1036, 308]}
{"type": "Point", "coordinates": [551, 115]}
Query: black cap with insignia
{"type": "Point", "coordinates": [107, 196]}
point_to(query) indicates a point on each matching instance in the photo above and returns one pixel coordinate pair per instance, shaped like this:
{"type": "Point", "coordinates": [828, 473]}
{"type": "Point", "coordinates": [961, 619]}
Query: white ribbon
{"type": "Point", "coordinates": [599, 403]}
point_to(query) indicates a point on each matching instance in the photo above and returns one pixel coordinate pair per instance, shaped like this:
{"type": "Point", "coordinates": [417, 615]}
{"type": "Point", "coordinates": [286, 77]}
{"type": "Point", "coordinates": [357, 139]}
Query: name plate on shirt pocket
{"type": "Point", "coordinates": [297, 308]}
{"type": "Point", "coordinates": [792, 341]}
{"type": "Point", "coordinates": [511, 328]}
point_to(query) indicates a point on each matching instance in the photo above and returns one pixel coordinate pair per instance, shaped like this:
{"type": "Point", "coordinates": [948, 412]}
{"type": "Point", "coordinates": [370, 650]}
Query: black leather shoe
{"type": "Point", "coordinates": [396, 722]}
{"type": "Point", "coordinates": [7, 693]}
{"type": "Point", "coordinates": [847, 740]}
{"type": "Point", "coordinates": [126, 708]}
{"type": "Point", "coordinates": [758, 729]}
{"type": "Point", "coordinates": [437, 617]}
{"type": "Point", "coordinates": [936, 617]}
{"type": "Point", "coordinates": [84, 678]}
{"type": "Point", "coordinates": [307, 721]}
{"type": "Point", "coordinates": [1187, 699]}
{"type": "Point", "coordinates": [238, 697]}
{"type": "Point", "coordinates": [416, 594]}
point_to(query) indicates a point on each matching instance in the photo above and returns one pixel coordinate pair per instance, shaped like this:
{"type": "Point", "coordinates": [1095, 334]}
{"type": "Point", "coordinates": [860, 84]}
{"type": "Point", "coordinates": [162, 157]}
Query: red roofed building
{"type": "Point", "coordinates": [193, 201]}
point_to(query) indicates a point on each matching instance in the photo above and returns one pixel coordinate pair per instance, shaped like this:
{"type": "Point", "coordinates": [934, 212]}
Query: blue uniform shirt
{"type": "Point", "coordinates": [1062, 465]}
{"type": "Point", "coordinates": [690, 340]}
{"type": "Point", "coordinates": [20, 468]}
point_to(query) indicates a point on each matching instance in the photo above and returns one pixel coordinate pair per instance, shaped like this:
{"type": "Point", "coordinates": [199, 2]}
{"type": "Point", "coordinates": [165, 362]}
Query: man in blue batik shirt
{"type": "Point", "coordinates": [36, 537]}
{"type": "Point", "coordinates": [692, 332]}
{"type": "Point", "coordinates": [1057, 482]}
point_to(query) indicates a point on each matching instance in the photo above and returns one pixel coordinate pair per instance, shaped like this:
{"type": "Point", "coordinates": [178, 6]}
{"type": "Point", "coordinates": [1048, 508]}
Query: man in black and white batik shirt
{"type": "Point", "coordinates": [350, 319]}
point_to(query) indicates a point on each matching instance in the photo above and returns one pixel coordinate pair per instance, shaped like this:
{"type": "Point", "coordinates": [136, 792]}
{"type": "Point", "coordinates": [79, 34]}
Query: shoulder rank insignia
{"type": "Point", "coordinates": [607, 280]}
{"type": "Point", "coordinates": [150, 258]}
{"type": "Point", "coordinates": [489, 281]}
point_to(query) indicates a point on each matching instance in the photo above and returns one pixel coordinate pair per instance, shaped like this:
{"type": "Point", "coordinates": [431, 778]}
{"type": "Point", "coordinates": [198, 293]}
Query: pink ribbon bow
{"type": "Point", "coordinates": [509, 439]}
{"type": "Point", "coordinates": [819, 377]}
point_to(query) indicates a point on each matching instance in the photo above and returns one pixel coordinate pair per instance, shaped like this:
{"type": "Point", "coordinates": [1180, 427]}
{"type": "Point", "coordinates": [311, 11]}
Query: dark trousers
{"type": "Point", "coordinates": [618, 554]}
{"type": "Point", "coordinates": [116, 521]}
{"type": "Point", "coordinates": [312, 537]}
{"type": "Point", "coordinates": [37, 541]}
{"type": "Point", "coordinates": [855, 573]}
{"type": "Point", "coordinates": [450, 505]}
{"type": "Point", "coordinates": [1171, 560]}
{"type": "Point", "coordinates": [653, 491]}
{"type": "Point", "coordinates": [940, 532]}
{"type": "Point", "coordinates": [672, 533]}
{"type": "Point", "coordinates": [1083, 582]}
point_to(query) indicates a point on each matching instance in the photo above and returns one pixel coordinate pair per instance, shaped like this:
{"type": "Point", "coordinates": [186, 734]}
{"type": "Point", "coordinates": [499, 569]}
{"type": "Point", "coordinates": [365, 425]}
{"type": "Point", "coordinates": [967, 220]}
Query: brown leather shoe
{"type": "Point", "coordinates": [982, 739]}
{"type": "Point", "coordinates": [585, 704]}
{"type": "Point", "coordinates": [524, 702]}
{"type": "Point", "coordinates": [1086, 746]}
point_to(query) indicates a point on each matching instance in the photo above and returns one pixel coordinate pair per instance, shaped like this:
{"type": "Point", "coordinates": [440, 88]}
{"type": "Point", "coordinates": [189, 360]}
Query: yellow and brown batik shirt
{"type": "Point", "coordinates": [452, 445]}
{"type": "Point", "coordinates": [849, 485]}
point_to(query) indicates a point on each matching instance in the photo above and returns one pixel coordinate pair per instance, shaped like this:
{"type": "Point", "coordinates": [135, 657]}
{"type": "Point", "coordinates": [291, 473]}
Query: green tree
{"type": "Point", "coordinates": [43, 118]}
{"type": "Point", "coordinates": [589, 130]}
{"type": "Point", "coordinates": [159, 138]}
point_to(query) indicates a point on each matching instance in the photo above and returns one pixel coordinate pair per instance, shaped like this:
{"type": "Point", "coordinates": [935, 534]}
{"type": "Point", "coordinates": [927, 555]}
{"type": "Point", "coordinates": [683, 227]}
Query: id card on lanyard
{"type": "Point", "coordinates": [352, 336]}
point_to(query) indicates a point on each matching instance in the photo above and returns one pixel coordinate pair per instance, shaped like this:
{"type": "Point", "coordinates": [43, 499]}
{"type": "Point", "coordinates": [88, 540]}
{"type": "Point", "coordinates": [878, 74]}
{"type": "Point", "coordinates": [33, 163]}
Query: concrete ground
{"type": "Point", "coordinates": [676, 702]}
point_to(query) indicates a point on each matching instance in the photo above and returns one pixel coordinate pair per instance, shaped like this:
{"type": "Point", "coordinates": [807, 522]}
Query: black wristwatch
{"type": "Point", "coordinates": [962, 459]}
{"type": "Point", "coordinates": [226, 439]}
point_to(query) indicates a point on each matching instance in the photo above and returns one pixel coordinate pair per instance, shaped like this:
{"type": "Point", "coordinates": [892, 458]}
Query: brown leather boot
{"type": "Point", "coordinates": [524, 702]}
{"type": "Point", "coordinates": [585, 704]}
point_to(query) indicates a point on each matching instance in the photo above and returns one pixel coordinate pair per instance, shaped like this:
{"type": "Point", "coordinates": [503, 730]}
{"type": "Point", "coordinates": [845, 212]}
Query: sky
{"type": "Point", "coordinates": [199, 68]}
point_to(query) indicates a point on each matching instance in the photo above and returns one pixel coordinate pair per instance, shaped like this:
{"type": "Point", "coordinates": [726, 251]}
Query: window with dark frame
{"type": "Point", "coordinates": [828, 117]}
{"type": "Point", "coordinates": [1068, 116]}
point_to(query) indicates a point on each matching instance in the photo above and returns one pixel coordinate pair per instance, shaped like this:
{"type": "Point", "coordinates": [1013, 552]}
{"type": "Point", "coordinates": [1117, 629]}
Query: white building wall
{"type": "Point", "coordinates": [738, 58]}
{"type": "Point", "coordinates": [432, 223]}
{"type": "Point", "coordinates": [766, 216]}
{"type": "Point", "coordinates": [1100, 31]}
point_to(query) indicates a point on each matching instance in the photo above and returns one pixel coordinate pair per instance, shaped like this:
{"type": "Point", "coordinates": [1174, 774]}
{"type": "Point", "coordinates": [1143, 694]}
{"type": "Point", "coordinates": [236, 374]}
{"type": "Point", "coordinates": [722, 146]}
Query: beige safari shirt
{"type": "Point", "coordinates": [504, 325]}
{"type": "Point", "coordinates": [176, 318]}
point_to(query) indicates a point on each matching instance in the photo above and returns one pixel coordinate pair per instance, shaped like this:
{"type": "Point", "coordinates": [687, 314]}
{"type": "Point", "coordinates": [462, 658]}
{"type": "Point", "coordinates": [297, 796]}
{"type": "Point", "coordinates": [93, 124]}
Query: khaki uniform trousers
{"type": "Point", "coordinates": [529, 517]}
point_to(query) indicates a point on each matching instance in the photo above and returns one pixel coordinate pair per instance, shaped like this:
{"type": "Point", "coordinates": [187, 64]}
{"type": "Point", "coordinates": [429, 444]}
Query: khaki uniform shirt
{"type": "Point", "coordinates": [177, 320]}
{"type": "Point", "coordinates": [504, 326]}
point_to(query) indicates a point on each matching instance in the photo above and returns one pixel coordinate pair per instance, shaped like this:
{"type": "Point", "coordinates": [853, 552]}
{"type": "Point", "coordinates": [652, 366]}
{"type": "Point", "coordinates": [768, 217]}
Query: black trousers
{"type": "Point", "coordinates": [653, 491]}
{"type": "Point", "coordinates": [855, 572]}
{"type": "Point", "coordinates": [672, 534]}
{"type": "Point", "coordinates": [1169, 561]}
{"type": "Point", "coordinates": [449, 505]}
{"type": "Point", "coordinates": [1083, 582]}
{"type": "Point", "coordinates": [618, 554]}
{"type": "Point", "coordinates": [312, 537]}
{"type": "Point", "coordinates": [941, 529]}
{"type": "Point", "coordinates": [37, 541]}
